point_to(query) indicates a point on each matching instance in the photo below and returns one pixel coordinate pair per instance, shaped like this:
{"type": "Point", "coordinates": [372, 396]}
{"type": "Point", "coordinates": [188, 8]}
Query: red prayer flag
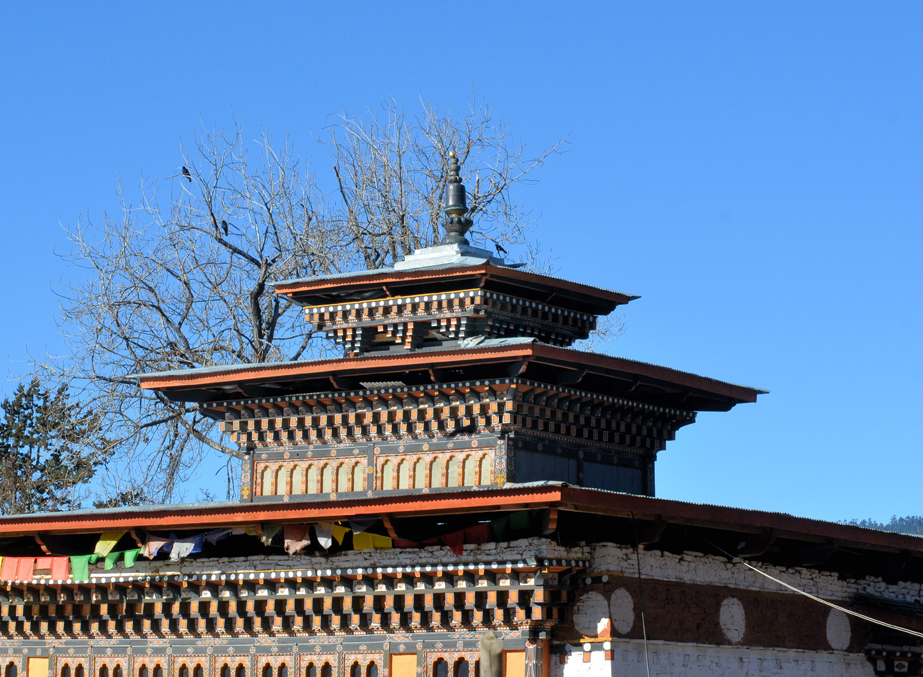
{"type": "Point", "coordinates": [478, 534]}
{"type": "Point", "coordinates": [59, 568]}
{"type": "Point", "coordinates": [26, 571]}
{"type": "Point", "coordinates": [43, 563]}
{"type": "Point", "coordinates": [455, 541]}
{"type": "Point", "coordinates": [8, 568]}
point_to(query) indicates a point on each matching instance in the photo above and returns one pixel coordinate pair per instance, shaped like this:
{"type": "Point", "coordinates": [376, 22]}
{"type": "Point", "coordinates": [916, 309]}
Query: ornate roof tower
{"type": "Point", "coordinates": [457, 371]}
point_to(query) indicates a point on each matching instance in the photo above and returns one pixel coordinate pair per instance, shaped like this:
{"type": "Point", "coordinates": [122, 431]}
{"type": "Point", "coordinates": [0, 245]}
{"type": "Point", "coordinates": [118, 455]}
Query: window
{"type": "Point", "coordinates": [104, 671]}
{"type": "Point", "coordinates": [158, 672]}
{"type": "Point", "coordinates": [326, 671]}
{"type": "Point", "coordinates": [514, 664]}
{"type": "Point", "coordinates": [468, 468]}
{"type": "Point", "coordinates": [358, 477]}
{"type": "Point", "coordinates": [371, 670]}
{"type": "Point", "coordinates": [65, 670]}
{"type": "Point", "coordinates": [197, 671]}
{"type": "Point", "coordinates": [342, 478]}
{"type": "Point", "coordinates": [311, 671]}
{"type": "Point", "coordinates": [452, 473]}
{"type": "Point", "coordinates": [267, 670]}
{"type": "Point", "coordinates": [462, 669]}
{"type": "Point", "coordinates": [78, 672]}
{"type": "Point", "coordinates": [142, 671]}
{"type": "Point", "coordinates": [403, 476]}
{"type": "Point", "coordinates": [183, 671]}
{"type": "Point", "coordinates": [484, 470]}
{"type": "Point", "coordinates": [435, 473]}
{"type": "Point", "coordinates": [265, 482]}
{"type": "Point", "coordinates": [282, 671]}
{"type": "Point", "coordinates": [117, 671]}
{"type": "Point", "coordinates": [403, 665]}
{"type": "Point", "coordinates": [241, 671]}
{"type": "Point", "coordinates": [326, 480]}
{"type": "Point", "coordinates": [440, 668]}
{"type": "Point", "coordinates": [387, 476]}
{"type": "Point", "coordinates": [419, 474]}
{"type": "Point", "coordinates": [225, 670]}
{"type": "Point", "coordinates": [312, 479]}
{"type": "Point", "coordinates": [10, 670]}
{"type": "Point", "coordinates": [297, 487]}
{"type": "Point", "coordinates": [281, 476]}
{"type": "Point", "coordinates": [355, 670]}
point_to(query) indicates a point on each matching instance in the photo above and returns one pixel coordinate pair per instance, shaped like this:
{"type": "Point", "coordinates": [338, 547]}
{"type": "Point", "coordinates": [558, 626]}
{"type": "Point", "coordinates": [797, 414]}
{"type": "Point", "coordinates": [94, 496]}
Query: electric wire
{"type": "Point", "coordinates": [849, 612]}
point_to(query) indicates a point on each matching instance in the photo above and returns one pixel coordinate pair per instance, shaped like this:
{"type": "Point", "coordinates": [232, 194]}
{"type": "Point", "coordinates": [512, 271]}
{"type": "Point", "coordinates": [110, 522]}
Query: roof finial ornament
{"type": "Point", "coordinates": [456, 224]}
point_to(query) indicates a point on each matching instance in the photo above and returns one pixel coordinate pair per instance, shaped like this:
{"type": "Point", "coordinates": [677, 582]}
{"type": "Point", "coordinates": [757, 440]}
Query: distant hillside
{"type": "Point", "coordinates": [901, 525]}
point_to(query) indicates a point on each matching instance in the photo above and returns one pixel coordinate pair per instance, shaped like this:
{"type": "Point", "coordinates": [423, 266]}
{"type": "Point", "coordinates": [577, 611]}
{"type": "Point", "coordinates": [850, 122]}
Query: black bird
{"type": "Point", "coordinates": [500, 250]}
{"type": "Point", "coordinates": [187, 174]}
{"type": "Point", "coordinates": [224, 226]}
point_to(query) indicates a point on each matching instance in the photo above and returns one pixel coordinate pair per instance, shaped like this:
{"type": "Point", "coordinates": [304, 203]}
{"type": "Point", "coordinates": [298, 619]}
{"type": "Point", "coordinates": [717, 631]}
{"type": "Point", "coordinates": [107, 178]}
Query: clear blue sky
{"type": "Point", "coordinates": [753, 170]}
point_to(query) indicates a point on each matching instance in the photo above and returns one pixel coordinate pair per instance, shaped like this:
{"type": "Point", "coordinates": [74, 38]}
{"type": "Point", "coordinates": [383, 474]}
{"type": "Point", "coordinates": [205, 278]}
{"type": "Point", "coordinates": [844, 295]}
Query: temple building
{"type": "Point", "coordinates": [461, 467]}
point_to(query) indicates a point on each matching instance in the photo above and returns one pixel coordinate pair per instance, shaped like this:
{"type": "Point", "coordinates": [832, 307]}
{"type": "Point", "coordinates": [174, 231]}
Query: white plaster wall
{"type": "Point", "coordinates": [694, 660]}
{"type": "Point", "coordinates": [692, 567]}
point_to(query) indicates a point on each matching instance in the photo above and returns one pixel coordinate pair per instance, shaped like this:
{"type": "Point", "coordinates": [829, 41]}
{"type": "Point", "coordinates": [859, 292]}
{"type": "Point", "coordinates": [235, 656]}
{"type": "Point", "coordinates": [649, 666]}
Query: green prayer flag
{"type": "Point", "coordinates": [80, 567]}
{"type": "Point", "coordinates": [498, 527]}
{"type": "Point", "coordinates": [131, 556]}
{"type": "Point", "coordinates": [520, 521]}
{"type": "Point", "coordinates": [112, 557]}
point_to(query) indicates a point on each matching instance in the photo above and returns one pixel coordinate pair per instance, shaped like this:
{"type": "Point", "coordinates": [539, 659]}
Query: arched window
{"type": "Point", "coordinates": [282, 671]}
{"type": "Point", "coordinates": [297, 480]}
{"type": "Point", "coordinates": [197, 671]}
{"type": "Point", "coordinates": [468, 471]}
{"type": "Point", "coordinates": [183, 670]}
{"type": "Point", "coordinates": [461, 668]}
{"type": "Point", "coordinates": [65, 670]}
{"type": "Point", "coordinates": [267, 670]}
{"type": "Point", "coordinates": [265, 482]}
{"type": "Point", "coordinates": [158, 672]}
{"type": "Point", "coordinates": [440, 668]}
{"type": "Point", "coordinates": [311, 670]}
{"type": "Point", "coordinates": [225, 670]}
{"type": "Point", "coordinates": [281, 476]}
{"type": "Point", "coordinates": [142, 671]}
{"type": "Point", "coordinates": [435, 473]}
{"type": "Point", "coordinates": [355, 670]}
{"type": "Point", "coordinates": [484, 474]}
{"type": "Point", "coordinates": [419, 474]}
{"type": "Point", "coordinates": [326, 480]}
{"type": "Point", "coordinates": [326, 671]}
{"type": "Point", "coordinates": [403, 475]}
{"type": "Point", "coordinates": [387, 476]}
{"type": "Point", "coordinates": [312, 479]}
{"type": "Point", "coordinates": [78, 671]}
{"type": "Point", "coordinates": [358, 477]}
{"type": "Point", "coordinates": [452, 473]}
{"type": "Point", "coordinates": [117, 671]}
{"type": "Point", "coordinates": [10, 670]}
{"type": "Point", "coordinates": [342, 478]}
{"type": "Point", "coordinates": [241, 671]}
{"type": "Point", "coordinates": [371, 670]}
{"type": "Point", "coordinates": [104, 671]}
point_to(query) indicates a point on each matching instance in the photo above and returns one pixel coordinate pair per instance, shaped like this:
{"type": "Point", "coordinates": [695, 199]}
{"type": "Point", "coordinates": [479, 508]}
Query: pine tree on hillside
{"type": "Point", "coordinates": [45, 450]}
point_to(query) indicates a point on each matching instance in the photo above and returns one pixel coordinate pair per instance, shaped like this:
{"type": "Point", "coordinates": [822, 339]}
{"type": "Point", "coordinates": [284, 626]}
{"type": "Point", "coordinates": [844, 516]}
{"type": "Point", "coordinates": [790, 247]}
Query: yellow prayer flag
{"type": "Point", "coordinates": [339, 533]}
{"type": "Point", "coordinates": [363, 541]}
{"type": "Point", "coordinates": [382, 542]}
{"type": "Point", "coordinates": [107, 541]}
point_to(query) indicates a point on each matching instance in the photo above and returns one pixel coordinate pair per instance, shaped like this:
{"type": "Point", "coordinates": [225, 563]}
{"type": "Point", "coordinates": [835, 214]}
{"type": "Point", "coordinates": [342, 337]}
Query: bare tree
{"type": "Point", "coordinates": [184, 280]}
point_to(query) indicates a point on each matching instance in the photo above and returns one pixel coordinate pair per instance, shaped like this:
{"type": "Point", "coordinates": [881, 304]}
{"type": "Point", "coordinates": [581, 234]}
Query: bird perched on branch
{"type": "Point", "coordinates": [500, 250]}
{"type": "Point", "coordinates": [187, 174]}
{"type": "Point", "coordinates": [224, 227]}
